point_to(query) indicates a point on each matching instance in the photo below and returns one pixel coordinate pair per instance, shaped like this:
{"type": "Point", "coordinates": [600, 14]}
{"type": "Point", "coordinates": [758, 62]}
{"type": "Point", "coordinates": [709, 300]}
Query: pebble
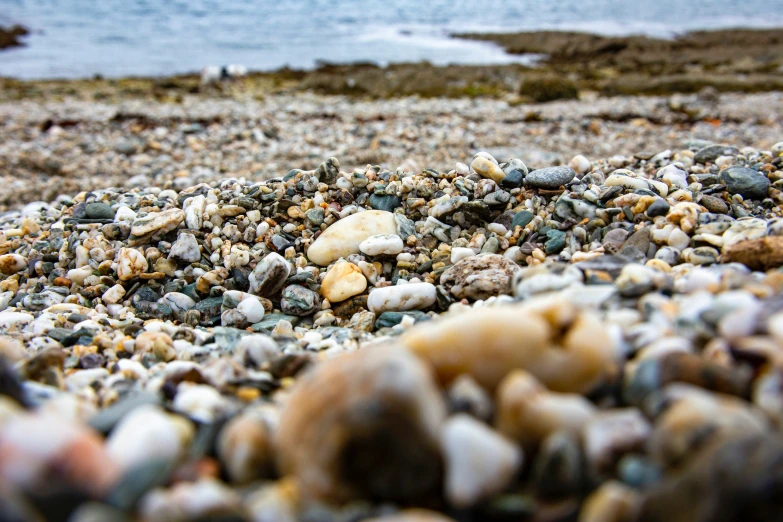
{"type": "Point", "coordinates": [381, 245]}
{"type": "Point", "coordinates": [343, 237]}
{"type": "Point", "coordinates": [269, 275]}
{"type": "Point", "coordinates": [402, 297]}
{"type": "Point", "coordinates": [748, 183]}
{"type": "Point", "coordinates": [479, 462]}
{"type": "Point", "coordinates": [364, 425]}
{"type": "Point", "coordinates": [186, 249]}
{"type": "Point", "coordinates": [130, 264]}
{"type": "Point", "coordinates": [299, 301]}
{"type": "Point", "coordinates": [488, 169]}
{"type": "Point", "coordinates": [343, 280]}
{"type": "Point", "coordinates": [12, 263]}
{"type": "Point", "coordinates": [550, 178]}
{"type": "Point", "coordinates": [567, 351]}
{"type": "Point", "coordinates": [480, 277]}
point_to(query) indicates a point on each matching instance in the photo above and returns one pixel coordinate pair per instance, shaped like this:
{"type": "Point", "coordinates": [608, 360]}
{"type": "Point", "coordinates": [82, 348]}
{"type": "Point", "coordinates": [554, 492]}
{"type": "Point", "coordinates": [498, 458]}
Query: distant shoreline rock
{"type": "Point", "coordinates": [9, 37]}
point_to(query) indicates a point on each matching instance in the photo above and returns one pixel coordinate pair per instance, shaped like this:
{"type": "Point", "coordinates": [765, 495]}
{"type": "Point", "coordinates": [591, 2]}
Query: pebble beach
{"type": "Point", "coordinates": [328, 309]}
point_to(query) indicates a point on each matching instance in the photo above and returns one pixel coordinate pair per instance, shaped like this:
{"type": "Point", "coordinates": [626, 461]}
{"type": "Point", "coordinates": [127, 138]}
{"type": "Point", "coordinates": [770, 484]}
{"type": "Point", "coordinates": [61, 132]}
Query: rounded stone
{"type": "Point", "coordinates": [300, 301]}
{"type": "Point", "coordinates": [748, 183]}
{"type": "Point", "coordinates": [343, 237]}
{"type": "Point", "coordinates": [550, 178]}
{"type": "Point", "coordinates": [480, 277]}
{"type": "Point", "coordinates": [343, 280]}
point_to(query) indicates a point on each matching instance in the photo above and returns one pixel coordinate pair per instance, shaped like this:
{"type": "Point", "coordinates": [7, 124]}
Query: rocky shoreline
{"type": "Point", "coordinates": [481, 341]}
{"type": "Point", "coordinates": [571, 66]}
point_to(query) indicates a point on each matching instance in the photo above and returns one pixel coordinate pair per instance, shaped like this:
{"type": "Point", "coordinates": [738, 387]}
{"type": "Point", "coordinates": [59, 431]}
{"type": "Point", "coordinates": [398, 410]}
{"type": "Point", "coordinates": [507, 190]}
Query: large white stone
{"type": "Point", "coordinates": [344, 236]}
{"type": "Point", "coordinates": [410, 296]}
{"type": "Point", "coordinates": [479, 461]}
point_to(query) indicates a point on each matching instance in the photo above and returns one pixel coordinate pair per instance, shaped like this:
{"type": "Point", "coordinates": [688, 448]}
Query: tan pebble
{"type": "Point", "coordinates": [487, 169]}
{"type": "Point", "coordinates": [364, 425]}
{"type": "Point", "coordinates": [527, 412]}
{"type": "Point", "coordinates": [12, 263]}
{"type": "Point", "coordinates": [342, 281]}
{"type": "Point", "coordinates": [612, 502]}
{"type": "Point", "coordinates": [757, 254]}
{"type": "Point", "coordinates": [157, 343]}
{"type": "Point", "coordinates": [566, 349]}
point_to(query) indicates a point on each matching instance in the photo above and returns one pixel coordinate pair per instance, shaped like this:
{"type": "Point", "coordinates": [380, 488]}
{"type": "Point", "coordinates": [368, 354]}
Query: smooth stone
{"type": "Point", "coordinates": [114, 294]}
{"type": "Point", "coordinates": [611, 434]}
{"type": "Point", "coordinates": [300, 301]}
{"type": "Point", "coordinates": [402, 297]}
{"type": "Point", "coordinates": [757, 254]}
{"type": "Point", "coordinates": [385, 202]}
{"type": "Point", "coordinates": [244, 445]}
{"type": "Point", "coordinates": [528, 413]}
{"type": "Point", "coordinates": [580, 164]}
{"type": "Point", "coordinates": [178, 302]}
{"type": "Point", "coordinates": [343, 280]}
{"type": "Point", "coordinates": [343, 237]}
{"type": "Point", "coordinates": [389, 319]}
{"type": "Point", "coordinates": [269, 275]}
{"type": "Point", "coordinates": [382, 244]}
{"type": "Point", "coordinates": [361, 425]}
{"type": "Point", "coordinates": [556, 241]}
{"type": "Point", "coordinates": [714, 204]}
{"type": "Point", "coordinates": [713, 152]}
{"type": "Point", "coordinates": [148, 434]}
{"type": "Point", "coordinates": [521, 219]}
{"type": "Point", "coordinates": [567, 349]}
{"type": "Point", "coordinates": [659, 207]}
{"type": "Point", "coordinates": [11, 319]}
{"type": "Point", "coordinates": [514, 179]}
{"type": "Point", "coordinates": [480, 277]}
{"type": "Point", "coordinates": [252, 308]}
{"type": "Point", "coordinates": [12, 263]}
{"type": "Point", "coordinates": [479, 462]}
{"type": "Point", "coordinates": [487, 169]}
{"type": "Point", "coordinates": [749, 183]}
{"type": "Point", "coordinates": [550, 178]}
{"type": "Point", "coordinates": [99, 211]}
{"type": "Point", "coordinates": [195, 208]}
{"type": "Point", "coordinates": [186, 249]}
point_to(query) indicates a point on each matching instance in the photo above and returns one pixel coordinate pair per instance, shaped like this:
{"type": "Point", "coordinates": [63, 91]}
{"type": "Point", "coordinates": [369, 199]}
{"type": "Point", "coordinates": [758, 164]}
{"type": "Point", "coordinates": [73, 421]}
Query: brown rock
{"type": "Point", "coordinates": [480, 277]}
{"type": "Point", "coordinates": [364, 425]}
{"type": "Point", "coordinates": [757, 254]}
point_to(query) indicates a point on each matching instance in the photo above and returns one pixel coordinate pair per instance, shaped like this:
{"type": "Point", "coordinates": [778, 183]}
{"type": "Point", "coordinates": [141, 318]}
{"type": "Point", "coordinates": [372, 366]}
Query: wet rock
{"type": "Point", "coordinates": [710, 153]}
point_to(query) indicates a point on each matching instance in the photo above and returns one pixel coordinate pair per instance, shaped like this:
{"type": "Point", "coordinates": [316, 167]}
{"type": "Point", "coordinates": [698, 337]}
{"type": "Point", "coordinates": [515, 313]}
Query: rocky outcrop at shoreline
{"type": "Point", "coordinates": [10, 36]}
